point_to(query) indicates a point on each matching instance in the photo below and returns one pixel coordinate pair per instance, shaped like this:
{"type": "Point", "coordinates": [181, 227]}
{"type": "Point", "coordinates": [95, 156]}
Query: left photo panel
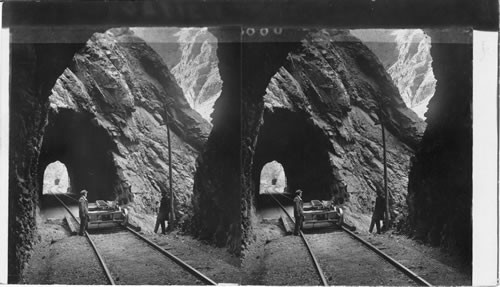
{"type": "Point", "coordinates": [110, 156]}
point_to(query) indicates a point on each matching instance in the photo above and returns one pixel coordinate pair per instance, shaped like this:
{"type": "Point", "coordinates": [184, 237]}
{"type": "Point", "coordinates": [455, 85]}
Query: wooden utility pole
{"type": "Point", "coordinates": [387, 219]}
{"type": "Point", "coordinates": [387, 213]}
{"type": "Point", "coordinates": [172, 211]}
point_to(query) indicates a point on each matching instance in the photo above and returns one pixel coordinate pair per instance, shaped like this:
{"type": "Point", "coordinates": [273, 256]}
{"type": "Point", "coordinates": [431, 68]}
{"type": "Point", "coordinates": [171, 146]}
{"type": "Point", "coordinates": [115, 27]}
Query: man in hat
{"type": "Point", "coordinates": [162, 215]}
{"type": "Point", "coordinates": [378, 212]}
{"type": "Point", "coordinates": [341, 192]}
{"type": "Point", "coordinates": [83, 210]}
{"type": "Point", "coordinates": [298, 211]}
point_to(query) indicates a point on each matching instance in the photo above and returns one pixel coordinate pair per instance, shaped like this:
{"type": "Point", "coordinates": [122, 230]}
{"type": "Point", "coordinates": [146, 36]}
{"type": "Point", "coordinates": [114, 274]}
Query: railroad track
{"type": "Point", "coordinates": [318, 268]}
{"type": "Point", "coordinates": [133, 259]}
{"type": "Point", "coordinates": [334, 253]}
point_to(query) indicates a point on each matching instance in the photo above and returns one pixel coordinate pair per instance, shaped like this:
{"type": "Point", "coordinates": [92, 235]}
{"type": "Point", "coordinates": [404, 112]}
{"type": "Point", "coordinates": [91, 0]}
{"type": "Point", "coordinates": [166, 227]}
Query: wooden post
{"type": "Point", "coordinates": [172, 213]}
{"type": "Point", "coordinates": [387, 213]}
{"type": "Point", "coordinates": [171, 219]}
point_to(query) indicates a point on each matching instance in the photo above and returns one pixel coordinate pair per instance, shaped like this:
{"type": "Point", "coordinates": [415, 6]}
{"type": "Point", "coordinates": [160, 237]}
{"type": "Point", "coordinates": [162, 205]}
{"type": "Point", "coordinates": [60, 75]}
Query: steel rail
{"type": "Point", "coordinates": [386, 257]}
{"type": "Point", "coordinates": [68, 196]}
{"type": "Point", "coordinates": [315, 261]}
{"type": "Point", "coordinates": [174, 258]}
{"type": "Point", "coordinates": [177, 260]}
{"type": "Point", "coordinates": [284, 195]}
{"type": "Point", "coordinates": [101, 260]}
{"type": "Point", "coordinates": [391, 260]}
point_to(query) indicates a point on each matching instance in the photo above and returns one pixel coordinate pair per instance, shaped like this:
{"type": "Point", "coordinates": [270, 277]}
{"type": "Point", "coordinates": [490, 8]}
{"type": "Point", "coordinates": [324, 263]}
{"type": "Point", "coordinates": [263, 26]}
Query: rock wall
{"type": "Point", "coordinates": [217, 188]}
{"type": "Point", "coordinates": [34, 70]}
{"type": "Point", "coordinates": [223, 179]}
{"type": "Point", "coordinates": [440, 188]}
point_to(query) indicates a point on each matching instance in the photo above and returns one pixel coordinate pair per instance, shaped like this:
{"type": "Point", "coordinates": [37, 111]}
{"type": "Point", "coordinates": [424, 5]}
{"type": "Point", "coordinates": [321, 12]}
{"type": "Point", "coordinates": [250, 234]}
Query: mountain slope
{"type": "Point", "coordinates": [406, 56]}
{"type": "Point", "coordinates": [190, 54]}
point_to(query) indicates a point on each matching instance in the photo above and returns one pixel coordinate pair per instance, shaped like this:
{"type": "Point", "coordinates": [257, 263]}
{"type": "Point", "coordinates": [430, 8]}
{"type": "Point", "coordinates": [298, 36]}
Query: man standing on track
{"type": "Point", "coordinates": [83, 210]}
{"type": "Point", "coordinates": [298, 211]}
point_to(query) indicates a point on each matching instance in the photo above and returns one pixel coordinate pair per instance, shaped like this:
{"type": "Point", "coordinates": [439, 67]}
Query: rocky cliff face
{"type": "Point", "coordinates": [191, 55]}
{"type": "Point", "coordinates": [406, 56]}
{"type": "Point", "coordinates": [107, 115]}
{"type": "Point", "coordinates": [319, 121]}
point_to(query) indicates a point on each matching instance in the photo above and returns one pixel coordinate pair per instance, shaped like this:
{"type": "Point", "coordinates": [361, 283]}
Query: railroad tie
{"type": "Point", "coordinates": [71, 226]}
{"type": "Point", "coordinates": [286, 224]}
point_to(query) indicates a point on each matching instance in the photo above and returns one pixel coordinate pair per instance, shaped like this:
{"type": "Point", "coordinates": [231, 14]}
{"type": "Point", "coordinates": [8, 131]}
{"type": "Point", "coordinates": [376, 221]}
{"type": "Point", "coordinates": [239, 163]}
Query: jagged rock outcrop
{"type": "Point", "coordinates": [191, 55]}
{"type": "Point", "coordinates": [406, 56]}
{"type": "Point", "coordinates": [107, 114]}
{"type": "Point", "coordinates": [319, 122]}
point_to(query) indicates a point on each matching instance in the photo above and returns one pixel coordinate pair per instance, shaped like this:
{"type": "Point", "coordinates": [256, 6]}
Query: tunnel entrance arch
{"type": "Point", "coordinates": [293, 140]}
{"type": "Point", "coordinates": [86, 150]}
{"type": "Point", "coordinates": [56, 179]}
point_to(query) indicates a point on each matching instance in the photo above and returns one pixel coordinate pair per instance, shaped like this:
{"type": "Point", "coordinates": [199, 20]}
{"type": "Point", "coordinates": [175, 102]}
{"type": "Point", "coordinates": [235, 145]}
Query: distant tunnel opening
{"type": "Point", "coordinates": [272, 178]}
{"type": "Point", "coordinates": [85, 149]}
{"type": "Point", "coordinates": [56, 179]}
{"type": "Point", "coordinates": [272, 185]}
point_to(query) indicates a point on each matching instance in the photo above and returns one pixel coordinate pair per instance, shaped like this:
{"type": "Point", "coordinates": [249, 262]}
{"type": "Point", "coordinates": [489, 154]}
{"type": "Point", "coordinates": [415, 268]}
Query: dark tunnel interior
{"type": "Point", "coordinates": [292, 140]}
{"type": "Point", "coordinates": [85, 149]}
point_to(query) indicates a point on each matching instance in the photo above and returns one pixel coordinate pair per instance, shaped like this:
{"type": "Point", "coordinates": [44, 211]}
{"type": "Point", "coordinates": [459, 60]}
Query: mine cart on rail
{"type": "Point", "coordinates": [322, 213]}
{"type": "Point", "coordinates": [103, 214]}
